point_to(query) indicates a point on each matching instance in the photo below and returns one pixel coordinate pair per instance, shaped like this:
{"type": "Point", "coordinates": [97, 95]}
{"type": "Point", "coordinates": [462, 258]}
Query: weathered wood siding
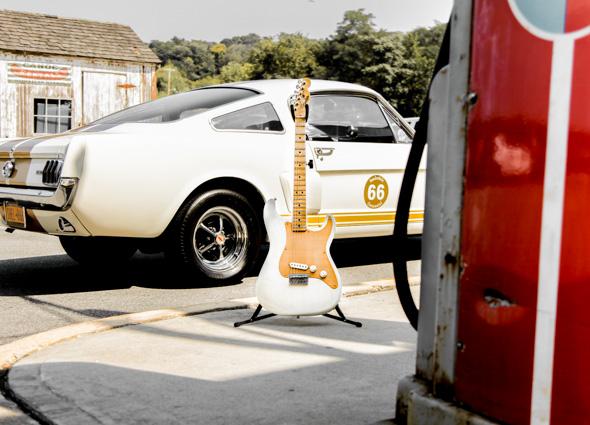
{"type": "Point", "coordinates": [97, 88]}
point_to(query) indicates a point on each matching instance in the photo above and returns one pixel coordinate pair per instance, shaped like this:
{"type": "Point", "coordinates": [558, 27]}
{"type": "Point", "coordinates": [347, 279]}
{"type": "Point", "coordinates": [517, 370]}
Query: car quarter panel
{"type": "Point", "coordinates": [132, 185]}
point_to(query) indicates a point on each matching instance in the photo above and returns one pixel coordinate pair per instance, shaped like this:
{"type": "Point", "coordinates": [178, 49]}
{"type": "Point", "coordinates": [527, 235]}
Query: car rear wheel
{"type": "Point", "coordinates": [217, 236]}
{"type": "Point", "coordinates": [98, 251]}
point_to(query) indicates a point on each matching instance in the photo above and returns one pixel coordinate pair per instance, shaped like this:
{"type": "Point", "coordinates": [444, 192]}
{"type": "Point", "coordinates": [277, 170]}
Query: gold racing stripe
{"type": "Point", "coordinates": [362, 218]}
{"type": "Point", "coordinates": [21, 171]}
{"type": "Point", "coordinates": [26, 147]}
{"type": "Point", "coordinates": [5, 148]}
{"type": "Point", "coordinates": [23, 147]}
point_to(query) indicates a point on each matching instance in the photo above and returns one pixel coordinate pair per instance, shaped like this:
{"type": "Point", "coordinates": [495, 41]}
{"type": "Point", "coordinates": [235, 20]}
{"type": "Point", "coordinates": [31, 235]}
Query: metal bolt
{"type": "Point", "coordinates": [471, 98]}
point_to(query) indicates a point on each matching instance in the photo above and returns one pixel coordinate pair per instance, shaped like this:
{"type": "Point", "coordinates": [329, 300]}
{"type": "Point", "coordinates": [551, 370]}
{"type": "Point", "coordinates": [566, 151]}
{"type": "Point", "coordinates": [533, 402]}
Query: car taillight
{"type": "Point", "coordinates": [52, 171]}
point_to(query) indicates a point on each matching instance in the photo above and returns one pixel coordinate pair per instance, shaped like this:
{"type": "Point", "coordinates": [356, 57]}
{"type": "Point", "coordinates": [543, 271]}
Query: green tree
{"type": "Point", "coordinates": [240, 47]}
{"type": "Point", "coordinates": [219, 50]}
{"type": "Point", "coordinates": [420, 51]}
{"type": "Point", "coordinates": [290, 56]}
{"type": "Point", "coordinates": [387, 67]}
{"type": "Point", "coordinates": [206, 81]}
{"type": "Point", "coordinates": [235, 71]}
{"type": "Point", "coordinates": [350, 50]}
{"type": "Point", "coordinates": [178, 82]}
{"type": "Point", "coordinates": [397, 65]}
{"type": "Point", "coordinates": [192, 57]}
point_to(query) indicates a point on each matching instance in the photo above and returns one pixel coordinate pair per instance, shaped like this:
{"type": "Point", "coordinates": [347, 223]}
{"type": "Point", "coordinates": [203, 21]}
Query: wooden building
{"type": "Point", "coordinates": [61, 73]}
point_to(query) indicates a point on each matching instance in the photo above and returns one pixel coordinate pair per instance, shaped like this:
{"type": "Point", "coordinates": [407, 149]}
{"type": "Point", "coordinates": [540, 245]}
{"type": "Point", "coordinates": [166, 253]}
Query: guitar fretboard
{"type": "Point", "coordinates": [299, 183]}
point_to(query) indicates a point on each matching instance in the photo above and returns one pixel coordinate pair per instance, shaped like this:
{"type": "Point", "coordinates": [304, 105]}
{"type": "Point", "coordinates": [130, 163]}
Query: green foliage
{"type": "Point", "coordinates": [395, 64]}
{"type": "Point", "coordinates": [209, 80]}
{"type": "Point", "coordinates": [178, 82]}
{"type": "Point", "coordinates": [290, 56]}
{"type": "Point", "coordinates": [192, 57]}
{"type": "Point", "coordinates": [420, 52]}
{"type": "Point", "coordinates": [235, 71]}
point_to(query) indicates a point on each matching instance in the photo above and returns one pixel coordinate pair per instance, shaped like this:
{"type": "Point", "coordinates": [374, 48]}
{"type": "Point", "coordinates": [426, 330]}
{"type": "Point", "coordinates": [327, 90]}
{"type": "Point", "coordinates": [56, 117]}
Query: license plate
{"type": "Point", "coordinates": [15, 216]}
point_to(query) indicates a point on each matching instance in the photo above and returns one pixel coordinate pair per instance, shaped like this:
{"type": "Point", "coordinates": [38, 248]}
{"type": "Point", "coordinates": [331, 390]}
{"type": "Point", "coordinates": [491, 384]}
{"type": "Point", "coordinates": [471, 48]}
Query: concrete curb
{"type": "Point", "coordinates": [17, 350]}
{"type": "Point", "coordinates": [13, 352]}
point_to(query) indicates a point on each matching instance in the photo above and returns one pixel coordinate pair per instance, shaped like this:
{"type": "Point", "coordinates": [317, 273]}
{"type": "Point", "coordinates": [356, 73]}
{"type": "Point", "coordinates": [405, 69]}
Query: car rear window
{"type": "Point", "coordinates": [177, 106]}
{"type": "Point", "coordinates": [261, 117]}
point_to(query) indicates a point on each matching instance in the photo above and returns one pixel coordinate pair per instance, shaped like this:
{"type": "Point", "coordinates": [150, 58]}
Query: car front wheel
{"type": "Point", "coordinates": [217, 236]}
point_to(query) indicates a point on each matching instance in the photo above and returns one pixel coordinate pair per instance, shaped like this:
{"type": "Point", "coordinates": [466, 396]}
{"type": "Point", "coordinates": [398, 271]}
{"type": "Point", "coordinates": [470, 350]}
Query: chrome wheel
{"type": "Point", "coordinates": [220, 239]}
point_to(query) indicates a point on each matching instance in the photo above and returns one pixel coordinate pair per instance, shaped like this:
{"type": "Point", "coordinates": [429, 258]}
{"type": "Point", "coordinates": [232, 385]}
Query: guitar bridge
{"type": "Point", "coordinates": [298, 279]}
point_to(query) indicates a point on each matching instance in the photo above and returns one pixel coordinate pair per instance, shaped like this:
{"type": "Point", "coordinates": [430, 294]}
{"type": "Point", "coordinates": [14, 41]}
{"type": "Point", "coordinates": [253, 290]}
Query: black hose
{"type": "Point", "coordinates": [400, 230]}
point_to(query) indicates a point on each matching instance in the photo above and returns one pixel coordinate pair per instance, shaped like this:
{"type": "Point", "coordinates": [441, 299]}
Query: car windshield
{"type": "Point", "coordinates": [347, 118]}
{"type": "Point", "coordinates": [176, 107]}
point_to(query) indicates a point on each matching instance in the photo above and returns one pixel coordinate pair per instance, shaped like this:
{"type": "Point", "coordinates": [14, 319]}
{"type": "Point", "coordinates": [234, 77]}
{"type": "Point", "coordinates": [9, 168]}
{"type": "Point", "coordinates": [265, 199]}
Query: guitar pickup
{"type": "Point", "coordinates": [298, 279]}
{"type": "Point", "coordinates": [299, 266]}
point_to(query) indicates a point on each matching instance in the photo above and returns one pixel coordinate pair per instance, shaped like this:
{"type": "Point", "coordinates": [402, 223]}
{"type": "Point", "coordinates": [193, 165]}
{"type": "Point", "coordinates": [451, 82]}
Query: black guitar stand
{"type": "Point", "coordinates": [342, 318]}
{"type": "Point", "coordinates": [256, 318]}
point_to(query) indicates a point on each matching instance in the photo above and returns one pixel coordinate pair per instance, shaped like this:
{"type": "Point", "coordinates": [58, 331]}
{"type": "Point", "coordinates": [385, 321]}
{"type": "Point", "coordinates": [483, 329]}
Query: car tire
{"type": "Point", "coordinates": [216, 236]}
{"type": "Point", "coordinates": [98, 251]}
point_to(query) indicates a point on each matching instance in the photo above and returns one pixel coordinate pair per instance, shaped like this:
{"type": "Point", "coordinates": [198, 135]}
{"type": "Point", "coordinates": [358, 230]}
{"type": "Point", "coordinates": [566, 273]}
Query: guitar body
{"type": "Point", "coordinates": [279, 287]}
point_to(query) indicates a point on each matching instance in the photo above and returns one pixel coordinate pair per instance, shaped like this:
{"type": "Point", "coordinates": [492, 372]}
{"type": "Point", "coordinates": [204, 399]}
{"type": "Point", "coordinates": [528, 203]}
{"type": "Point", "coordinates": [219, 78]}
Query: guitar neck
{"type": "Point", "coordinates": [299, 183]}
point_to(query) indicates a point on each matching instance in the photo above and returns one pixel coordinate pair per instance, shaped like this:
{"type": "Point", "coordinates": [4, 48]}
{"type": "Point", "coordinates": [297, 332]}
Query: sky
{"type": "Point", "coordinates": [213, 20]}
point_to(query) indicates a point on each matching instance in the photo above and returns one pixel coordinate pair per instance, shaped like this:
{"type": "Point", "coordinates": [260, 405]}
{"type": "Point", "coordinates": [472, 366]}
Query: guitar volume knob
{"type": "Point", "coordinates": [313, 268]}
{"type": "Point", "coordinates": [323, 274]}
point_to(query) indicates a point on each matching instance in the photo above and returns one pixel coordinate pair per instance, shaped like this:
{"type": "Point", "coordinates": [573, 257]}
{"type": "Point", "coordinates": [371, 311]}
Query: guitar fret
{"type": "Point", "coordinates": [299, 221]}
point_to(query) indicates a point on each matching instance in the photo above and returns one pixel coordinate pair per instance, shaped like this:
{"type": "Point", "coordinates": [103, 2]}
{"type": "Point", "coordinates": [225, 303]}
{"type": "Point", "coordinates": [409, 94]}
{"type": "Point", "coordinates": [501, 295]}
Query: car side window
{"type": "Point", "coordinates": [347, 118]}
{"type": "Point", "coordinates": [261, 117]}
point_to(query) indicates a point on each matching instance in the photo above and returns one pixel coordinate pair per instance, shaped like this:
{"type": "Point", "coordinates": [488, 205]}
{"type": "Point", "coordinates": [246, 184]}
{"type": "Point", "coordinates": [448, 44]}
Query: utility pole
{"type": "Point", "coordinates": [170, 70]}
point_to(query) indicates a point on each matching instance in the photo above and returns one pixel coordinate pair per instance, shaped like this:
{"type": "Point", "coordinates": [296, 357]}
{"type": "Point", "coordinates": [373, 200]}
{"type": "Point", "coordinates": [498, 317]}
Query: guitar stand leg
{"type": "Point", "coordinates": [255, 317]}
{"type": "Point", "coordinates": [342, 318]}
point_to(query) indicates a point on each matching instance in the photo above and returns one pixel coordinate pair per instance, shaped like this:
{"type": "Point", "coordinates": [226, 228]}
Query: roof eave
{"type": "Point", "coordinates": [153, 61]}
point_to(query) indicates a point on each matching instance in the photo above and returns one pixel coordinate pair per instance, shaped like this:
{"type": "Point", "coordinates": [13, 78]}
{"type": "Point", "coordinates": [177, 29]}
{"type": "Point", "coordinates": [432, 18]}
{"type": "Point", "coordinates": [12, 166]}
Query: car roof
{"type": "Point", "coordinates": [287, 86]}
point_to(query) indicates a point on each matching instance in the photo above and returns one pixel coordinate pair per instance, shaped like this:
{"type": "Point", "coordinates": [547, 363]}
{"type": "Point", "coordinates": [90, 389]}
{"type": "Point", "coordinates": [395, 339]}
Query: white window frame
{"type": "Point", "coordinates": [58, 116]}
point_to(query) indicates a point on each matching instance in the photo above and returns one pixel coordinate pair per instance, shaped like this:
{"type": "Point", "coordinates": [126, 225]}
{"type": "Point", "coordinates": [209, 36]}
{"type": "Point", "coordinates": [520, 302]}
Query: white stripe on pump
{"type": "Point", "coordinates": [551, 225]}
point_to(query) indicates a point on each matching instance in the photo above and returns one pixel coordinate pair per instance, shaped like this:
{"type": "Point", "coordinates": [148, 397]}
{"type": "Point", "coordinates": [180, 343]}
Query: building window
{"type": "Point", "coordinates": [52, 115]}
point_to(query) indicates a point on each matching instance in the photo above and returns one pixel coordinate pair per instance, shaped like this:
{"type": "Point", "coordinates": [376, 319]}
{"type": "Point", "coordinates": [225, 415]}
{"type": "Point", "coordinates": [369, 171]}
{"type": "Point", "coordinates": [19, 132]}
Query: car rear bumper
{"type": "Point", "coordinates": [59, 199]}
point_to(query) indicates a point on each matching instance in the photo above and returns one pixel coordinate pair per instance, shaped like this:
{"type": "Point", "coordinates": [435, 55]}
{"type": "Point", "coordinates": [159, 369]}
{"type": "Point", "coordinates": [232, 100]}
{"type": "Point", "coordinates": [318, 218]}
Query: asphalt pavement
{"type": "Point", "coordinates": [41, 288]}
{"type": "Point", "coordinates": [200, 369]}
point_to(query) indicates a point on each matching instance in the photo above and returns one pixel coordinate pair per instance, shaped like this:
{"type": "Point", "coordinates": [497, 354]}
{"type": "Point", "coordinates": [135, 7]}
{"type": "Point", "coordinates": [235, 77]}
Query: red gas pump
{"type": "Point", "coordinates": [503, 329]}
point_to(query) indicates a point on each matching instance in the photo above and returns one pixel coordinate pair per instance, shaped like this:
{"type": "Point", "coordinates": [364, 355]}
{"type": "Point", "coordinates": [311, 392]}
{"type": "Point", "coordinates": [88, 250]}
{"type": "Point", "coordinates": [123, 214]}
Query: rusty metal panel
{"type": "Point", "coordinates": [524, 291]}
{"type": "Point", "coordinates": [154, 92]}
{"type": "Point", "coordinates": [431, 237]}
{"type": "Point", "coordinates": [102, 94]}
{"type": "Point", "coordinates": [571, 386]}
{"type": "Point", "coordinates": [502, 215]}
{"type": "Point", "coordinates": [445, 348]}
{"type": "Point", "coordinates": [127, 85]}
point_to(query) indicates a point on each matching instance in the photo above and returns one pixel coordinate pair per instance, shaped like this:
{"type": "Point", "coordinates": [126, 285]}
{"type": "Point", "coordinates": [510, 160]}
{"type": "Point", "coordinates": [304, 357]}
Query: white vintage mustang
{"type": "Point", "coordinates": [189, 174]}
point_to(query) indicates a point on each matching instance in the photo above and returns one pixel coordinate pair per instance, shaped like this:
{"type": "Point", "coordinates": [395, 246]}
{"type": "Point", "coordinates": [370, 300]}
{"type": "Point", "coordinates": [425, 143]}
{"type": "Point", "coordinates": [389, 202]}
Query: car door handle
{"type": "Point", "coordinates": [321, 152]}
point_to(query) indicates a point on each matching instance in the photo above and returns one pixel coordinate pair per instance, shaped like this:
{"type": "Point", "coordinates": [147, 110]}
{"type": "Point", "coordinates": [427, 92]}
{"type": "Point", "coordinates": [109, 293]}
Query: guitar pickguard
{"type": "Point", "coordinates": [309, 248]}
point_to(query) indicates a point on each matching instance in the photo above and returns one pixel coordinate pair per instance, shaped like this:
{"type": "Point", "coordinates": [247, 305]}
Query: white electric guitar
{"type": "Point", "coordinates": [299, 277]}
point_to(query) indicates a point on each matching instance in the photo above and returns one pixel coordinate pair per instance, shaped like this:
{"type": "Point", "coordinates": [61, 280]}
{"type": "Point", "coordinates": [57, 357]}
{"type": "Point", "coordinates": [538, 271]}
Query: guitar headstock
{"type": "Point", "coordinates": [301, 97]}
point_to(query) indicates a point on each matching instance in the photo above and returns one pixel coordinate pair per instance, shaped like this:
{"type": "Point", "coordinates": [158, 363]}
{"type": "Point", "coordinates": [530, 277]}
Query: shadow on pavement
{"type": "Point", "coordinates": [321, 373]}
{"type": "Point", "coordinates": [59, 274]}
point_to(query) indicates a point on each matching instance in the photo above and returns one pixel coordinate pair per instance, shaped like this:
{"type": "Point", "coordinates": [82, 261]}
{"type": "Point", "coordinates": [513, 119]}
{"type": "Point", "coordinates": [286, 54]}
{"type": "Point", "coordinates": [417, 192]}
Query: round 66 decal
{"type": "Point", "coordinates": [376, 191]}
